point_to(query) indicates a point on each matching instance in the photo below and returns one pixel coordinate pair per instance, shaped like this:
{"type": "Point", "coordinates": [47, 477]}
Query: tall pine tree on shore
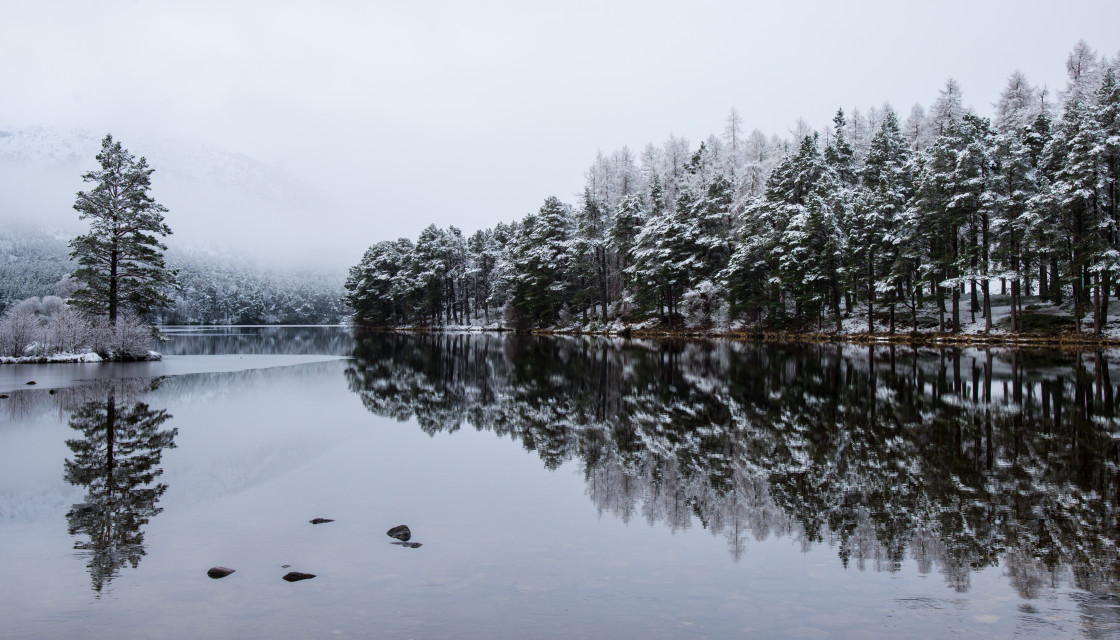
{"type": "Point", "coordinates": [121, 258]}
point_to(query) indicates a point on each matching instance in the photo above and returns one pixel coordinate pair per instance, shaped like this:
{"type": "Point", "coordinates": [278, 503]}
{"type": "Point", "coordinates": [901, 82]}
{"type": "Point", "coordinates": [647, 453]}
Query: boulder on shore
{"type": "Point", "coordinates": [400, 533]}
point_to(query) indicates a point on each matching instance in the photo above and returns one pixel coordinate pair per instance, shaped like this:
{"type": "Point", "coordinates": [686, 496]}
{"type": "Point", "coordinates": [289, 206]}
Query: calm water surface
{"type": "Point", "coordinates": [560, 488]}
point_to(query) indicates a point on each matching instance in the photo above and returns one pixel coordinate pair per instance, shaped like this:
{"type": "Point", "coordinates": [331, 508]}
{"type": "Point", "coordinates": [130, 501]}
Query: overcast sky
{"type": "Point", "coordinates": [470, 113]}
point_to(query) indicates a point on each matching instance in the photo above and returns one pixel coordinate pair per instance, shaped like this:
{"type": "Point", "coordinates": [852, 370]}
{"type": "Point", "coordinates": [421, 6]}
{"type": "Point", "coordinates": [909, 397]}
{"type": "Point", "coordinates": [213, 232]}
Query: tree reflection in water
{"type": "Point", "coordinates": [116, 459]}
{"type": "Point", "coordinates": [954, 459]}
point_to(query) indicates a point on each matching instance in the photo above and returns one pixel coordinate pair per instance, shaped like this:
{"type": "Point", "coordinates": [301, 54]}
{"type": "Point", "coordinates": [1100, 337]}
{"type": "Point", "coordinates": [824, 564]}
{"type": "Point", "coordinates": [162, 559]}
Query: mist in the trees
{"type": "Point", "coordinates": [116, 458]}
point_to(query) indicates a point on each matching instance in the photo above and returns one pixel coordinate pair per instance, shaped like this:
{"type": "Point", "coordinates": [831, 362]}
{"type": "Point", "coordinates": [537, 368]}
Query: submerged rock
{"type": "Point", "coordinates": [219, 572]}
{"type": "Point", "coordinates": [409, 545]}
{"type": "Point", "coordinates": [321, 520]}
{"type": "Point", "coordinates": [400, 533]}
{"type": "Point", "coordinates": [296, 576]}
{"type": "Point", "coordinates": [285, 566]}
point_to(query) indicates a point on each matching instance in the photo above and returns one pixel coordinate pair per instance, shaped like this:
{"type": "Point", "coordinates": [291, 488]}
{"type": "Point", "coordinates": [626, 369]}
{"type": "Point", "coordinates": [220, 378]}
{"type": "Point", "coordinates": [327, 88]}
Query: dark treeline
{"type": "Point", "coordinates": [955, 460]}
{"type": "Point", "coordinates": [922, 222]}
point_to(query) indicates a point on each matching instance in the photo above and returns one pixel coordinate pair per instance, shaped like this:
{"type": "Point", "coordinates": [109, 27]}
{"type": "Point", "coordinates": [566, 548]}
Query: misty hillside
{"type": "Point", "coordinates": [216, 198]}
{"type": "Point", "coordinates": [214, 288]}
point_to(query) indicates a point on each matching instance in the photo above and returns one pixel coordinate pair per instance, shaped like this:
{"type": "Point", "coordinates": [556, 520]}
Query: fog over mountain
{"type": "Point", "coordinates": [220, 201]}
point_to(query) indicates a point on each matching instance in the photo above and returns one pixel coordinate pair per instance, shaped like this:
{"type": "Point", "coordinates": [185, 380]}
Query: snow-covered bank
{"type": "Point", "coordinates": [88, 357]}
{"type": "Point", "coordinates": [1047, 325]}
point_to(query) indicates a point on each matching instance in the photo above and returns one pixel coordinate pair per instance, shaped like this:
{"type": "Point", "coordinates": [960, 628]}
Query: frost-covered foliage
{"type": "Point", "coordinates": [31, 264]}
{"type": "Point", "coordinates": [45, 328]}
{"type": "Point", "coordinates": [904, 224]}
{"type": "Point", "coordinates": [222, 291]}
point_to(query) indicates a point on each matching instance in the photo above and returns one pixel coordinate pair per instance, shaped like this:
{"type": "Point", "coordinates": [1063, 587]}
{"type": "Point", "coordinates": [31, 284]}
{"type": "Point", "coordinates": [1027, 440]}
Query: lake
{"type": "Point", "coordinates": [559, 488]}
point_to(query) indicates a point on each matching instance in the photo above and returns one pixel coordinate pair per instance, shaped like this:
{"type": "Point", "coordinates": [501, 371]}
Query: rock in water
{"type": "Point", "coordinates": [409, 545]}
{"type": "Point", "coordinates": [321, 520]}
{"type": "Point", "coordinates": [296, 576]}
{"type": "Point", "coordinates": [400, 533]}
{"type": "Point", "coordinates": [30, 382]}
{"type": "Point", "coordinates": [219, 572]}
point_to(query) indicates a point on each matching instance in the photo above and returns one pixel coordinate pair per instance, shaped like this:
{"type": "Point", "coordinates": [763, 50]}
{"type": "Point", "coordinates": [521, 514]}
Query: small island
{"type": "Point", "coordinates": [121, 275]}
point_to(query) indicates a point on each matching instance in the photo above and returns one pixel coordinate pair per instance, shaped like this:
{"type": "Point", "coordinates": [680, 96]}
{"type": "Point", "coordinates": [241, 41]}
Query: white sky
{"type": "Point", "coordinates": [470, 113]}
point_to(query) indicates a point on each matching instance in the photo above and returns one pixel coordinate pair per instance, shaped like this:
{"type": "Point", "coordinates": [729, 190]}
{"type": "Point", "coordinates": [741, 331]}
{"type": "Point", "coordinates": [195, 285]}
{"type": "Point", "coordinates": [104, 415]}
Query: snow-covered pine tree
{"type": "Point", "coordinates": [1016, 223]}
{"type": "Point", "coordinates": [879, 235]}
{"type": "Point", "coordinates": [1075, 191]}
{"type": "Point", "coordinates": [542, 258]}
{"type": "Point", "coordinates": [812, 248]}
{"type": "Point", "coordinates": [628, 221]}
{"type": "Point", "coordinates": [379, 287]}
{"type": "Point", "coordinates": [592, 253]}
{"type": "Point", "coordinates": [121, 263]}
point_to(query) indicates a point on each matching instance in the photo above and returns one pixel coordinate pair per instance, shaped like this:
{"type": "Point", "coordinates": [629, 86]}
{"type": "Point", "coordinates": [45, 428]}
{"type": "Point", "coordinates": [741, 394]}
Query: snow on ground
{"type": "Point", "coordinates": [67, 357]}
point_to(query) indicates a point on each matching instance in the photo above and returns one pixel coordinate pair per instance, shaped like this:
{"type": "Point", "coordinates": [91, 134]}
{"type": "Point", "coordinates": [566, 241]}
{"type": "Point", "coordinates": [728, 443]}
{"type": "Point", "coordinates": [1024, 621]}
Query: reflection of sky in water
{"type": "Point", "coordinates": [510, 549]}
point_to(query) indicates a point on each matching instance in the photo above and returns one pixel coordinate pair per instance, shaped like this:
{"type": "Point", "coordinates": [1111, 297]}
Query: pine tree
{"type": "Point", "coordinates": [593, 245]}
{"type": "Point", "coordinates": [879, 231]}
{"type": "Point", "coordinates": [1076, 194]}
{"type": "Point", "coordinates": [121, 258]}
{"type": "Point", "coordinates": [813, 244]}
{"type": "Point", "coordinates": [628, 221]}
{"type": "Point", "coordinates": [379, 287]}
{"type": "Point", "coordinates": [712, 224]}
{"type": "Point", "coordinates": [541, 256]}
{"type": "Point", "coordinates": [1107, 116]}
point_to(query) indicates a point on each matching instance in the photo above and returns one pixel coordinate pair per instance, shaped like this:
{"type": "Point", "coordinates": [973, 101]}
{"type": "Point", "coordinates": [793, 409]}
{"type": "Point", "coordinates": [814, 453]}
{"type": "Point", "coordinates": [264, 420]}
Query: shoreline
{"type": "Point", "coordinates": [77, 358]}
{"type": "Point", "coordinates": [1057, 341]}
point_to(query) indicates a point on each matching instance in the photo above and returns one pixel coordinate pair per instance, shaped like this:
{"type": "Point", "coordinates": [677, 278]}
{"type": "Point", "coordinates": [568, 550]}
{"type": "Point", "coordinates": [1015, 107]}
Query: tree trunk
{"type": "Point", "coordinates": [914, 309]}
{"type": "Point", "coordinates": [836, 305]}
{"type": "Point", "coordinates": [114, 259]}
{"type": "Point", "coordinates": [973, 302]}
{"type": "Point", "coordinates": [870, 292]}
{"type": "Point", "coordinates": [956, 309]}
{"type": "Point", "coordinates": [1055, 282]}
{"type": "Point", "coordinates": [984, 287]}
{"type": "Point", "coordinates": [1015, 328]}
{"type": "Point", "coordinates": [603, 281]}
{"type": "Point", "coordinates": [1106, 283]}
{"type": "Point", "coordinates": [1097, 305]}
{"type": "Point", "coordinates": [940, 308]}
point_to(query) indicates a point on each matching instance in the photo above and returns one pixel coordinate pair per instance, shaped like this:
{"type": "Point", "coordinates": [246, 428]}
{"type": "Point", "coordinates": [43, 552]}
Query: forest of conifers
{"type": "Point", "coordinates": [924, 222]}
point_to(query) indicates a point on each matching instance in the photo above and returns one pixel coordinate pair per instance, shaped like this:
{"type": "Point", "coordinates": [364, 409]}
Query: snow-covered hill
{"type": "Point", "coordinates": [222, 200]}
